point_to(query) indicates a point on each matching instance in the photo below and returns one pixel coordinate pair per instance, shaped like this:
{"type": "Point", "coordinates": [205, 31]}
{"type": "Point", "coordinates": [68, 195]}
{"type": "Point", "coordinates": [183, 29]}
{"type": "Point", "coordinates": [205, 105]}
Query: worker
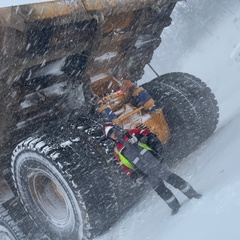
{"type": "Point", "coordinates": [137, 96]}
{"type": "Point", "coordinates": [141, 162]}
{"type": "Point", "coordinates": [129, 93]}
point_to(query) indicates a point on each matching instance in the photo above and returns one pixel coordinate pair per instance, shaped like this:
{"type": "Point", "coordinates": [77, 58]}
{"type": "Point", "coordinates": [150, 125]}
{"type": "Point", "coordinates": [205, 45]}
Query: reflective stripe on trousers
{"type": "Point", "coordinates": [171, 199]}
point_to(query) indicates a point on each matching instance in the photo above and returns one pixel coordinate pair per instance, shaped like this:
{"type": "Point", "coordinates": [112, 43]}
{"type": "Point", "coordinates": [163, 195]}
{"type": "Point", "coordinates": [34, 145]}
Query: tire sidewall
{"type": "Point", "coordinates": [190, 109]}
{"type": "Point", "coordinates": [30, 163]}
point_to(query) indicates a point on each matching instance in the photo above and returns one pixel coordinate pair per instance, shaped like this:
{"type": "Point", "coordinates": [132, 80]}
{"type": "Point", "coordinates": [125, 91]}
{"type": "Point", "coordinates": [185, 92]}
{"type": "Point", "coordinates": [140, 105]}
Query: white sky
{"type": "Point", "coordinates": [6, 3]}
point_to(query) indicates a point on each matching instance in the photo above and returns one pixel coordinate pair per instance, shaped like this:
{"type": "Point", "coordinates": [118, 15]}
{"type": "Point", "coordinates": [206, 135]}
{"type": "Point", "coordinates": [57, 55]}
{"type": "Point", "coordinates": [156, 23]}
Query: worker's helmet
{"type": "Point", "coordinates": [108, 129]}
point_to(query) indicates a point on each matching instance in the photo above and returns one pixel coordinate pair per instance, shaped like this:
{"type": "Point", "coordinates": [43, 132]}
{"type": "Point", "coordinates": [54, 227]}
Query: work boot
{"type": "Point", "coordinates": [197, 195]}
{"type": "Point", "coordinates": [190, 192]}
{"type": "Point", "coordinates": [167, 195]}
{"type": "Point", "coordinates": [175, 211]}
{"type": "Point", "coordinates": [174, 204]}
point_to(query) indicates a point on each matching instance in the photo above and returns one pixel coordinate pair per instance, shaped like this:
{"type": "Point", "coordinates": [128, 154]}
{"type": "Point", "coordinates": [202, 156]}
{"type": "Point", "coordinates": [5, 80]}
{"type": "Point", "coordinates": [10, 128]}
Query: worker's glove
{"type": "Point", "coordinates": [133, 139]}
{"type": "Point", "coordinates": [143, 139]}
{"type": "Point", "coordinates": [138, 179]}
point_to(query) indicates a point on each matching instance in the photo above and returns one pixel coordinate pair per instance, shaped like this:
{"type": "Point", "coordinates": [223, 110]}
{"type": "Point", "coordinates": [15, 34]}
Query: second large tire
{"type": "Point", "coordinates": [63, 196]}
{"type": "Point", "coordinates": [67, 187]}
{"type": "Point", "coordinates": [8, 228]}
{"type": "Point", "coordinates": [190, 109]}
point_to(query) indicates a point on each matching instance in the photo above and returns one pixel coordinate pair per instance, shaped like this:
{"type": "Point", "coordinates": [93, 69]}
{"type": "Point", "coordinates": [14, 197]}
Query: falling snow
{"type": "Point", "coordinates": [208, 46]}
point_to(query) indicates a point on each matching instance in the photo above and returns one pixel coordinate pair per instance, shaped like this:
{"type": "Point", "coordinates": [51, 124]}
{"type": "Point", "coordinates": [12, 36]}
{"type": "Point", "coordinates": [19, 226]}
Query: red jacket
{"type": "Point", "coordinates": [138, 133]}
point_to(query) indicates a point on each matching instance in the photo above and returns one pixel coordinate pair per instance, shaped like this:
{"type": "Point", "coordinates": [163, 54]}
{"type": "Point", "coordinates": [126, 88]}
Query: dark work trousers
{"type": "Point", "coordinates": [156, 172]}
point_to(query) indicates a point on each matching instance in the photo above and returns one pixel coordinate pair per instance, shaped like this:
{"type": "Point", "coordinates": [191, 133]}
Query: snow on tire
{"type": "Point", "coordinates": [63, 187]}
{"type": "Point", "coordinates": [8, 228]}
{"type": "Point", "coordinates": [190, 109]}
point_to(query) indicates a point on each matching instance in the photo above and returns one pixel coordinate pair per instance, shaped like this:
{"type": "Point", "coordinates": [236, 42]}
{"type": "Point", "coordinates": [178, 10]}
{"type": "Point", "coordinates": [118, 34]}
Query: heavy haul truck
{"type": "Point", "coordinates": [58, 59]}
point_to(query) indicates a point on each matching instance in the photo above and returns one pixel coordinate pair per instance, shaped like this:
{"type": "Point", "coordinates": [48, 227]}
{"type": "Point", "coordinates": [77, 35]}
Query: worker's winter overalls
{"type": "Point", "coordinates": [138, 157]}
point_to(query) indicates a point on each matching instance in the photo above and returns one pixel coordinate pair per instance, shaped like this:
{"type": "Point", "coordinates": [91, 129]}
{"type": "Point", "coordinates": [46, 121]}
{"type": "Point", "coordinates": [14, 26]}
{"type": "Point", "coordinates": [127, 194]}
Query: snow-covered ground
{"type": "Point", "coordinates": [214, 169]}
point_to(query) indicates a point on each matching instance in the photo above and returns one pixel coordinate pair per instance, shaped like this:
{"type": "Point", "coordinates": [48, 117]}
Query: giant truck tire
{"type": "Point", "coordinates": [67, 187]}
{"type": "Point", "coordinates": [8, 228]}
{"type": "Point", "coordinates": [64, 187]}
{"type": "Point", "coordinates": [190, 109]}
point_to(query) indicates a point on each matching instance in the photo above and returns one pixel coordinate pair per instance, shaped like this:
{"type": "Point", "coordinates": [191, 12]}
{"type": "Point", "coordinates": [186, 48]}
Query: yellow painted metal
{"type": "Point", "coordinates": [129, 115]}
{"type": "Point", "coordinates": [123, 6]}
{"type": "Point", "coordinates": [52, 9]}
{"type": "Point", "coordinates": [118, 21]}
{"type": "Point", "coordinates": [48, 10]}
{"type": "Point", "coordinates": [8, 19]}
{"type": "Point", "coordinates": [101, 86]}
{"type": "Point", "coordinates": [158, 125]}
{"type": "Point", "coordinates": [114, 101]}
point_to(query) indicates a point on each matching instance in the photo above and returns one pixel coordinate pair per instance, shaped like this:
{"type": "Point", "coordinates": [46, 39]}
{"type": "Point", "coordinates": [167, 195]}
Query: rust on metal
{"type": "Point", "coordinates": [118, 21]}
{"type": "Point", "coordinates": [101, 86]}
